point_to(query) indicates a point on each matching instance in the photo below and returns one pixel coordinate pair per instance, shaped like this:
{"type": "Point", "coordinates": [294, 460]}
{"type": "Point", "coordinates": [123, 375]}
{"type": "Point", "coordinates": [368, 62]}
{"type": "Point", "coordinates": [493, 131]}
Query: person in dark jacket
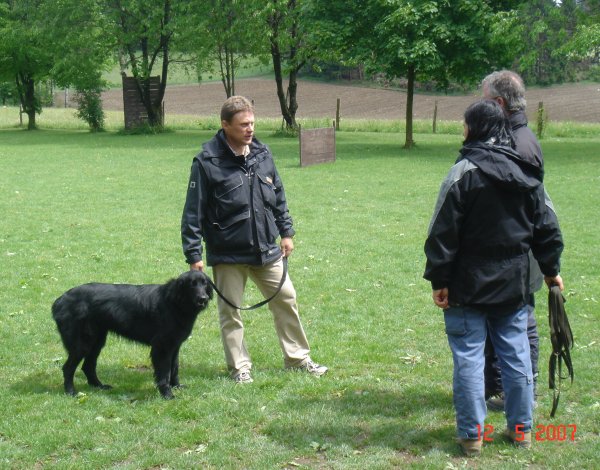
{"type": "Point", "coordinates": [491, 211]}
{"type": "Point", "coordinates": [508, 90]}
{"type": "Point", "coordinates": [236, 204]}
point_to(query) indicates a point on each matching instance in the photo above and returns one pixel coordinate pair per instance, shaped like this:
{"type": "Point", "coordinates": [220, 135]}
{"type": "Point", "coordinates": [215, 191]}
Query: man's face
{"type": "Point", "coordinates": [240, 130]}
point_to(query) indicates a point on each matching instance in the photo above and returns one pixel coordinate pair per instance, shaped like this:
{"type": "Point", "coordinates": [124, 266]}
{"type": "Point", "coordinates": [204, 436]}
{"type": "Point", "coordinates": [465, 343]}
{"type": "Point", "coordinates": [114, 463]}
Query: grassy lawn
{"type": "Point", "coordinates": [78, 207]}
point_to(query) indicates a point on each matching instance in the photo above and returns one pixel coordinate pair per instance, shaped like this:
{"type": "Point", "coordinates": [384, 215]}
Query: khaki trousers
{"type": "Point", "coordinates": [231, 279]}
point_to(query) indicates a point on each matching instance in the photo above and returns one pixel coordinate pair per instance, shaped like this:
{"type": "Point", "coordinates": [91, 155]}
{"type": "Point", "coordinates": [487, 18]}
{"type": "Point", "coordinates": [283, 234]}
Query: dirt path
{"type": "Point", "coordinates": [573, 102]}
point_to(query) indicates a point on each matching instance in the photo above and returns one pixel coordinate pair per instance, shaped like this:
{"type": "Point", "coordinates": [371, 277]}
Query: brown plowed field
{"type": "Point", "coordinates": [573, 102]}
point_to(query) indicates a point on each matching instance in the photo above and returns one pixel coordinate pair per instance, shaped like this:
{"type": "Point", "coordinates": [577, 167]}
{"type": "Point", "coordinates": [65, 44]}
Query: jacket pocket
{"type": "Point", "coordinates": [223, 224]}
{"type": "Point", "coordinates": [230, 199]}
{"type": "Point", "coordinates": [267, 190]}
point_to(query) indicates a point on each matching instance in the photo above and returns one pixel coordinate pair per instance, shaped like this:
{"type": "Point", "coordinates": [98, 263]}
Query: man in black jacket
{"type": "Point", "coordinates": [236, 204]}
{"type": "Point", "coordinates": [507, 89]}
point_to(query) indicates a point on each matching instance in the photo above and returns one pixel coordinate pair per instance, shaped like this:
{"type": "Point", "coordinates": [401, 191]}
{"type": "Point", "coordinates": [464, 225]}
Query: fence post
{"type": "Point", "coordinates": [435, 116]}
{"type": "Point", "coordinates": [337, 116]}
{"type": "Point", "coordinates": [541, 120]}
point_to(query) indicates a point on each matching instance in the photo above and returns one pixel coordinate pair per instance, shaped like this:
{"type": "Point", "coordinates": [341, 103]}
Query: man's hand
{"type": "Point", "coordinates": [197, 266]}
{"type": "Point", "coordinates": [440, 297]}
{"type": "Point", "coordinates": [554, 280]}
{"type": "Point", "coordinates": [287, 246]}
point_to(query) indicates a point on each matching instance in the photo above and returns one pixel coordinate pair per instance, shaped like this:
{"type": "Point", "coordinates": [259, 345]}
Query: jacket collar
{"type": "Point", "coordinates": [217, 149]}
{"type": "Point", "coordinates": [517, 120]}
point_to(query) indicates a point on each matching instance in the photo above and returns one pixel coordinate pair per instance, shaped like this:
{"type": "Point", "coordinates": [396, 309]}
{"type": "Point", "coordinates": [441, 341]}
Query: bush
{"type": "Point", "coordinates": [89, 108]}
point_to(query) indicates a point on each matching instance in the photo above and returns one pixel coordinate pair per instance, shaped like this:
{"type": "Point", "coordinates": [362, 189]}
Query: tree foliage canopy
{"type": "Point", "coordinates": [444, 42]}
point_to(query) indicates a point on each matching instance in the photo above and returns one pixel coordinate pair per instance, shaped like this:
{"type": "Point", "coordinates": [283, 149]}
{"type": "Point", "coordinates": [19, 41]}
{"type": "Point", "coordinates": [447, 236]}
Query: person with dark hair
{"type": "Point", "coordinates": [236, 204]}
{"type": "Point", "coordinates": [491, 210]}
{"type": "Point", "coordinates": [507, 89]}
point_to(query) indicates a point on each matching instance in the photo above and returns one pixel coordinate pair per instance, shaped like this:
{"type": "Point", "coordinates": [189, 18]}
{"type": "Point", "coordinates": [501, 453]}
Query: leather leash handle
{"type": "Point", "coordinates": [259, 304]}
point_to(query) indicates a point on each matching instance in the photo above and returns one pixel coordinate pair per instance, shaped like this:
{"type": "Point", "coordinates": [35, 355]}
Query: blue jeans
{"type": "Point", "coordinates": [493, 382]}
{"type": "Point", "coordinates": [467, 329]}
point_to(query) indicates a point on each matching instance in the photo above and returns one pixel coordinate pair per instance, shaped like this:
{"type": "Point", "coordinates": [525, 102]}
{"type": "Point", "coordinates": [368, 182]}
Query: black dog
{"type": "Point", "coordinates": [159, 315]}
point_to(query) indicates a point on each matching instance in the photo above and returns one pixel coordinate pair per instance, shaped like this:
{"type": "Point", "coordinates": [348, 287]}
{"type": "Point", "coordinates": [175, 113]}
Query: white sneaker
{"type": "Point", "coordinates": [243, 377]}
{"type": "Point", "coordinates": [313, 368]}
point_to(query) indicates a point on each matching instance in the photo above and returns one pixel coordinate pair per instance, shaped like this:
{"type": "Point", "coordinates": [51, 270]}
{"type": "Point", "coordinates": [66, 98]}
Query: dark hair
{"type": "Point", "coordinates": [487, 122]}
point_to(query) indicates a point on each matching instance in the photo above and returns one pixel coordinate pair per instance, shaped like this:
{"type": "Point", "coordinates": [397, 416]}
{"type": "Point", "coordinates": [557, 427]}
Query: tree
{"type": "Point", "coordinates": [81, 52]}
{"type": "Point", "coordinates": [144, 30]}
{"type": "Point", "coordinates": [419, 40]}
{"type": "Point", "coordinates": [584, 44]}
{"type": "Point", "coordinates": [290, 45]}
{"type": "Point", "coordinates": [24, 55]}
{"type": "Point", "coordinates": [543, 27]}
{"type": "Point", "coordinates": [8, 93]}
{"type": "Point", "coordinates": [230, 37]}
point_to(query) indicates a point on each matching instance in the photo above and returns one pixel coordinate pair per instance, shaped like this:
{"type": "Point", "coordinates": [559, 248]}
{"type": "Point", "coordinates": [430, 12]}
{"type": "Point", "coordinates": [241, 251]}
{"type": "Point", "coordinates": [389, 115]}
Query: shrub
{"type": "Point", "coordinates": [89, 108]}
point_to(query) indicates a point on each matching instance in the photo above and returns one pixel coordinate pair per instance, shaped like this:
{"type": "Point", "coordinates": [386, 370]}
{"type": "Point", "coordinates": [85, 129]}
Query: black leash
{"type": "Point", "coordinates": [562, 342]}
{"type": "Point", "coordinates": [260, 304]}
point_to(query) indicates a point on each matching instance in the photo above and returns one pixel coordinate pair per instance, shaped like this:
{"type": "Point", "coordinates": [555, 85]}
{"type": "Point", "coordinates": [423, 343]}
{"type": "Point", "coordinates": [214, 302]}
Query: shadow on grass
{"type": "Point", "coordinates": [415, 422]}
{"type": "Point", "coordinates": [133, 382]}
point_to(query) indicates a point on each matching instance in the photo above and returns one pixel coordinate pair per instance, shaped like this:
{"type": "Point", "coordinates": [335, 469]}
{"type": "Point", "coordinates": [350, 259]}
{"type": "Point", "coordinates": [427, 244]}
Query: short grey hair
{"type": "Point", "coordinates": [507, 85]}
{"type": "Point", "coordinates": [233, 105]}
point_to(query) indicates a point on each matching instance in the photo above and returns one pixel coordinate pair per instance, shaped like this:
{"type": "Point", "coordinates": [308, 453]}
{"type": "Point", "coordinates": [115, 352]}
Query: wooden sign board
{"type": "Point", "coordinates": [317, 146]}
{"type": "Point", "coordinates": [133, 107]}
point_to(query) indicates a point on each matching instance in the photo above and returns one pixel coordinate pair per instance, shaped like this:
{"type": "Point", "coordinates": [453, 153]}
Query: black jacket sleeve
{"type": "Point", "coordinates": [443, 240]}
{"type": "Point", "coordinates": [282, 217]}
{"type": "Point", "coordinates": [547, 244]}
{"type": "Point", "coordinates": [192, 217]}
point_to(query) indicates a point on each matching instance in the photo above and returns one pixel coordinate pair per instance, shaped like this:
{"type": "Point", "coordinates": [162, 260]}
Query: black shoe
{"type": "Point", "coordinates": [496, 402]}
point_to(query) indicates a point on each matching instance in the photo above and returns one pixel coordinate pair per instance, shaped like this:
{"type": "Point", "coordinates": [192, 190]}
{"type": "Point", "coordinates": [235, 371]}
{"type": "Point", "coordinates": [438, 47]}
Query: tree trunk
{"type": "Point", "coordinates": [288, 109]}
{"type": "Point", "coordinates": [226, 65]}
{"type": "Point", "coordinates": [157, 106]}
{"type": "Point", "coordinates": [232, 70]}
{"type": "Point", "coordinates": [143, 71]}
{"type": "Point", "coordinates": [26, 89]}
{"type": "Point", "coordinates": [409, 143]}
{"type": "Point", "coordinates": [290, 121]}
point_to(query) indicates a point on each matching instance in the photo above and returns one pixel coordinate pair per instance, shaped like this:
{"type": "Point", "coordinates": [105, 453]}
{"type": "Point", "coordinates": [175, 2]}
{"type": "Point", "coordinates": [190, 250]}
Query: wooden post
{"type": "Point", "coordinates": [20, 115]}
{"type": "Point", "coordinates": [435, 116]}
{"type": "Point", "coordinates": [541, 120]}
{"type": "Point", "coordinates": [337, 116]}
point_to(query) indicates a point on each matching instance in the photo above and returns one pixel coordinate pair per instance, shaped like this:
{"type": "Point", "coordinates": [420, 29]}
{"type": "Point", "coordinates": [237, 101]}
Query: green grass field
{"type": "Point", "coordinates": [79, 207]}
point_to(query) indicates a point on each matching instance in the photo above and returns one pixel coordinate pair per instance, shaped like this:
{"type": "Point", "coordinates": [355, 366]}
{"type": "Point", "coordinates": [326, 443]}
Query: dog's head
{"type": "Point", "coordinates": [194, 290]}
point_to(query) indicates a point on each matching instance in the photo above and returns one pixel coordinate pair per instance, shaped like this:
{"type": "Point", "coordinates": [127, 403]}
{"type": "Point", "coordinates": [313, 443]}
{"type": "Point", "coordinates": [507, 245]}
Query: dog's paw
{"type": "Point", "coordinates": [166, 392]}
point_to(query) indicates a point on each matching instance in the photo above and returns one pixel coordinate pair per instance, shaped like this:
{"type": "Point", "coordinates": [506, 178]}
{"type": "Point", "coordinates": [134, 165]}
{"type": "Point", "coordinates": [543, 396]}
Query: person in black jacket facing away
{"type": "Point", "coordinates": [491, 211]}
{"type": "Point", "coordinates": [236, 204]}
{"type": "Point", "coordinates": [507, 89]}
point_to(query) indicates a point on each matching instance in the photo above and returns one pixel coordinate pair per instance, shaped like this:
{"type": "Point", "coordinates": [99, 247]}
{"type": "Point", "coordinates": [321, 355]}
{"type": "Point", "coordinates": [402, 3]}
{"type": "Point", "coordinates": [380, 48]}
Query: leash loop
{"type": "Point", "coordinates": [561, 337]}
{"type": "Point", "coordinates": [261, 303]}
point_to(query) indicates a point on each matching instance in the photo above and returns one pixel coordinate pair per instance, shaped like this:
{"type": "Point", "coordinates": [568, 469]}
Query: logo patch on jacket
{"type": "Point", "coordinates": [192, 184]}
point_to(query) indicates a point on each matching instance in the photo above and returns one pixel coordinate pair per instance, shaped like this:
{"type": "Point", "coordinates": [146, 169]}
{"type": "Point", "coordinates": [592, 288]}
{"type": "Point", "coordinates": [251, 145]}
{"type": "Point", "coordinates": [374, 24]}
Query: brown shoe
{"type": "Point", "coordinates": [522, 439]}
{"type": "Point", "coordinates": [470, 447]}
